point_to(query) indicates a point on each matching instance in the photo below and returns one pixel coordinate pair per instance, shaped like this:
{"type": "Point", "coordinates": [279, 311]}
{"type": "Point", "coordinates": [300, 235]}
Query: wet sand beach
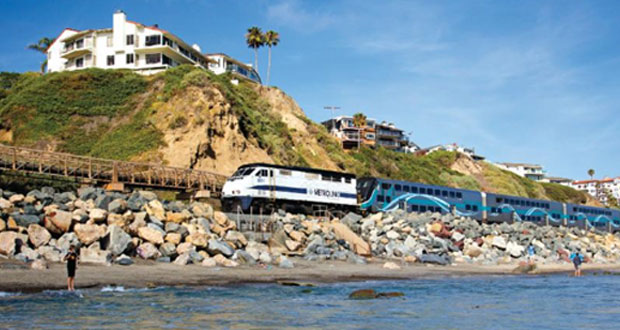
{"type": "Point", "coordinates": [15, 277]}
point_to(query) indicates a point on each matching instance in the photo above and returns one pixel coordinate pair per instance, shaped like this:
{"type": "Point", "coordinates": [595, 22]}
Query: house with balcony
{"type": "Point", "coordinates": [221, 63]}
{"type": "Point", "coordinates": [453, 147]}
{"type": "Point", "coordinates": [599, 189]}
{"type": "Point", "coordinates": [531, 171]}
{"type": "Point", "coordinates": [559, 180]}
{"type": "Point", "coordinates": [127, 45]}
{"type": "Point", "coordinates": [372, 134]}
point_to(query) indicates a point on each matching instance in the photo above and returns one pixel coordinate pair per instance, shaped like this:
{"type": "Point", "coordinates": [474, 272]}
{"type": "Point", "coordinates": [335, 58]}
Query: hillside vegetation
{"type": "Point", "coordinates": [188, 117]}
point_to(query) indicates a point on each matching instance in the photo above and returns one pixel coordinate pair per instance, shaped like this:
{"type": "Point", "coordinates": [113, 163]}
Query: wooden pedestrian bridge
{"type": "Point", "coordinates": [113, 174]}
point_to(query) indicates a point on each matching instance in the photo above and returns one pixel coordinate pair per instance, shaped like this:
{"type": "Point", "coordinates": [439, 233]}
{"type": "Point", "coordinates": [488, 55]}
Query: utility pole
{"type": "Point", "coordinates": [333, 109]}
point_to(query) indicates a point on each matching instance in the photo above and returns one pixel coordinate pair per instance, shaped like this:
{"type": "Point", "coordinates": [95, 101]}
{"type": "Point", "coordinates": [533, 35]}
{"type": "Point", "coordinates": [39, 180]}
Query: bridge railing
{"type": "Point", "coordinates": [105, 170]}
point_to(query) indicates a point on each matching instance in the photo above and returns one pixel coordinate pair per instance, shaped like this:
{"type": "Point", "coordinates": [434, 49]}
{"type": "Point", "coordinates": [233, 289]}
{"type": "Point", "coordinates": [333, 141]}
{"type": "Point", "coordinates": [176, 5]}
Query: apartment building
{"type": "Point", "coordinates": [531, 171]}
{"type": "Point", "coordinates": [221, 63]}
{"type": "Point", "coordinates": [372, 134]}
{"type": "Point", "coordinates": [563, 181]}
{"type": "Point", "coordinates": [600, 189]}
{"type": "Point", "coordinates": [127, 45]}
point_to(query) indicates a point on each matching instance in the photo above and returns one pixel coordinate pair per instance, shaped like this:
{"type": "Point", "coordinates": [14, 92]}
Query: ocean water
{"type": "Point", "coordinates": [480, 302]}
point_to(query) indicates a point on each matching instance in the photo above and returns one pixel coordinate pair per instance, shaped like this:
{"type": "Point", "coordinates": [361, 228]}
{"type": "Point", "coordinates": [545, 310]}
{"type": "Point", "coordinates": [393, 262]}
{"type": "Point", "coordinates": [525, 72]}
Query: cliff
{"type": "Point", "coordinates": [187, 117]}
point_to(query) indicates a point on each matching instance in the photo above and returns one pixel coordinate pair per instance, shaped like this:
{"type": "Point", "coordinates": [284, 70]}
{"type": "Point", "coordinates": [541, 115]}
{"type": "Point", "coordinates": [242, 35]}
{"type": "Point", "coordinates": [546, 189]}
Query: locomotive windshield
{"type": "Point", "coordinates": [365, 186]}
{"type": "Point", "coordinates": [243, 172]}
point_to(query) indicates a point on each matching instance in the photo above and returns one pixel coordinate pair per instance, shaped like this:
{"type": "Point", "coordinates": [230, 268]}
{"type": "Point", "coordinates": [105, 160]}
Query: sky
{"type": "Point", "coordinates": [520, 81]}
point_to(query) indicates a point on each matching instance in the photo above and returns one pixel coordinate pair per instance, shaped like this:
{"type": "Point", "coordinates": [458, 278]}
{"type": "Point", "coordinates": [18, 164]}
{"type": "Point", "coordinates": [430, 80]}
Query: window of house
{"type": "Point", "coordinates": [152, 40]}
{"type": "Point", "coordinates": [79, 43]}
{"type": "Point", "coordinates": [130, 39]}
{"type": "Point", "coordinates": [153, 58]}
{"type": "Point", "coordinates": [79, 63]}
{"type": "Point", "coordinates": [167, 60]}
{"type": "Point", "coordinates": [110, 60]}
{"type": "Point", "coordinates": [109, 41]}
{"type": "Point", "coordinates": [129, 58]}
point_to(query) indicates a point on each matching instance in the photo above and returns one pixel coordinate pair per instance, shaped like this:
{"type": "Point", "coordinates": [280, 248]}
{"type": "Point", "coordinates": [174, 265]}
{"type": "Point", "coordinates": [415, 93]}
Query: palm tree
{"type": "Point", "coordinates": [591, 173]}
{"type": "Point", "coordinates": [272, 38]}
{"type": "Point", "coordinates": [359, 120]}
{"type": "Point", "coordinates": [42, 47]}
{"type": "Point", "coordinates": [255, 39]}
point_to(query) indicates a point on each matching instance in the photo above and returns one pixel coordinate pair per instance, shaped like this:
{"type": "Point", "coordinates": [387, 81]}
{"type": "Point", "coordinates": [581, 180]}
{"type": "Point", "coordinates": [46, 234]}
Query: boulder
{"type": "Point", "coordinates": [220, 218]}
{"type": "Point", "coordinates": [139, 221]}
{"type": "Point", "coordinates": [5, 204]}
{"type": "Point", "coordinates": [50, 254]}
{"type": "Point", "coordinates": [434, 259]}
{"type": "Point", "coordinates": [94, 254]}
{"type": "Point", "coordinates": [363, 294]}
{"type": "Point", "coordinates": [117, 206]}
{"type": "Point", "coordinates": [156, 209]}
{"type": "Point", "coordinates": [168, 249]}
{"type": "Point", "coordinates": [8, 243]}
{"type": "Point", "coordinates": [360, 246]}
{"type": "Point", "coordinates": [185, 248]}
{"type": "Point", "coordinates": [39, 264]}
{"type": "Point", "coordinates": [265, 258]}
{"type": "Point", "coordinates": [147, 195]}
{"type": "Point", "coordinates": [209, 262]}
{"type": "Point", "coordinates": [98, 215]}
{"type": "Point", "coordinates": [118, 220]}
{"type": "Point", "coordinates": [38, 235]}
{"type": "Point", "coordinates": [457, 236]}
{"type": "Point", "coordinates": [472, 250]}
{"type": "Point", "coordinates": [182, 259]}
{"type": "Point", "coordinates": [198, 239]}
{"type": "Point", "coordinates": [151, 235]}
{"type": "Point", "coordinates": [123, 260]}
{"type": "Point", "coordinates": [23, 220]}
{"type": "Point", "coordinates": [174, 238]}
{"type": "Point", "coordinates": [178, 217]}
{"type": "Point", "coordinates": [2, 225]}
{"type": "Point", "coordinates": [391, 265]}
{"type": "Point", "coordinates": [215, 247]}
{"type": "Point", "coordinates": [236, 237]}
{"type": "Point", "coordinates": [292, 245]}
{"type": "Point", "coordinates": [17, 198]}
{"type": "Point", "coordinates": [297, 236]}
{"type": "Point", "coordinates": [515, 250]}
{"type": "Point", "coordinates": [244, 257]}
{"type": "Point", "coordinates": [171, 227]}
{"type": "Point", "coordinates": [89, 233]}
{"type": "Point", "coordinates": [103, 201]}
{"type": "Point", "coordinates": [147, 251]}
{"type": "Point", "coordinates": [28, 254]}
{"type": "Point", "coordinates": [117, 240]}
{"type": "Point", "coordinates": [66, 240]}
{"type": "Point", "coordinates": [202, 210]}
{"type": "Point", "coordinates": [196, 257]}
{"type": "Point", "coordinates": [87, 193]}
{"type": "Point", "coordinates": [223, 261]}
{"type": "Point", "coordinates": [499, 242]}
{"type": "Point", "coordinates": [285, 263]}
{"type": "Point", "coordinates": [392, 234]}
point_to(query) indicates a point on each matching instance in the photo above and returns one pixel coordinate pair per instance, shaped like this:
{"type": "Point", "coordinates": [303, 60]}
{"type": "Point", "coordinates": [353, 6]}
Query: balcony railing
{"type": "Point", "coordinates": [82, 44]}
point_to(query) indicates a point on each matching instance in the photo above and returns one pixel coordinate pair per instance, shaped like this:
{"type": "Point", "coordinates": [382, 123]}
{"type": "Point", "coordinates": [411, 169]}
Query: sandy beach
{"type": "Point", "coordinates": [16, 277]}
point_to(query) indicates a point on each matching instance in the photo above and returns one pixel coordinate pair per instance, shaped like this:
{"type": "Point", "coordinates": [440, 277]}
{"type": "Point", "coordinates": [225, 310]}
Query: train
{"type": "Point", "coordinates": [267, 187]}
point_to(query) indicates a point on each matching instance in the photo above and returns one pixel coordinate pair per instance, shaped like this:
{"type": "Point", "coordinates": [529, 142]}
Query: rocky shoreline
{"type": "Point", "coordinates": [109, 228]}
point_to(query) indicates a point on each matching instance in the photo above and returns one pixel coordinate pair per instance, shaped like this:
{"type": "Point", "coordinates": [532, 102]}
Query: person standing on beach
{"type": "Point", "coordinates": [71, 258]}
{"type": "Point", "coordinates": [530, 253]}
{"type": "Point", "coordinates": [577, 260]}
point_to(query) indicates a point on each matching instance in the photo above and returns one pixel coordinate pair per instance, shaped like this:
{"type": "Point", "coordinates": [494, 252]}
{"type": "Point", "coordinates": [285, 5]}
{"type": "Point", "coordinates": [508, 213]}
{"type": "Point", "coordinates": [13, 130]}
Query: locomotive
{"type": "Point", "coordinates": [299, 189]}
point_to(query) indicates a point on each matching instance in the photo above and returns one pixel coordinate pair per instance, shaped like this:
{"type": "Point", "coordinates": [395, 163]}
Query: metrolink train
{"type": "Point", "coordinates": [298, 189]}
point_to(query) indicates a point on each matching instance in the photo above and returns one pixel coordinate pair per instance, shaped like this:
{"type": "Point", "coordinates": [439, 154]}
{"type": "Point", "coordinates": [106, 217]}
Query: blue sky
{"type": "Point", "coordinates": [521, 81]}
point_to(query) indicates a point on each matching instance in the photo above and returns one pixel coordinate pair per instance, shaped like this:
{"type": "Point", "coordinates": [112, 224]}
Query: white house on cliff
{"type": "Point", "coordinates": [131, 45]}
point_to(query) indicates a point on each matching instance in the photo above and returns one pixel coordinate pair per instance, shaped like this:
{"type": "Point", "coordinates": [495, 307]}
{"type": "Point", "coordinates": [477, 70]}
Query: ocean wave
{"type": "Point", "coordinates": [9, 294]}
{"type": "Point", "coordinates": [113, 289]}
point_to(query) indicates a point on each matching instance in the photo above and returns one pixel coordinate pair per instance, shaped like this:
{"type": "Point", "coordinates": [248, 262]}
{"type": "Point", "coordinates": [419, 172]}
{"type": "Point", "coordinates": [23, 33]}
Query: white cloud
{"type": "Point", "coordinates": [292, 14]}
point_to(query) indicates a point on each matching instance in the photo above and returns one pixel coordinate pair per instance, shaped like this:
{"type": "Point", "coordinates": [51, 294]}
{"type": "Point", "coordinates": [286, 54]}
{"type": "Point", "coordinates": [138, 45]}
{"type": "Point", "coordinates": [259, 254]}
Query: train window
{"type": "Point", "coordinates": [398, 187]}
{"type": "Point", "coordinates": [498, 200]}
{"type": "Point", "coordinates": [414, 189]}
{"type": "Point", "coordinates": [467, 207]}
{"type": "Point", "coordinates": [459, 195]}
{"type": "Point", "coordinates": [313, 176]}
{"type": "Point", "coordinates": [262, 173]}
{"type": "Point", "coordinates": [422, 190]}
{"type": "Point", "coordinates": [528, 203]}
{"type": "Point", "coordinates": [385, 186]}
{"type": "Point", "coordinates": [414, 208]}
{"type": "Point", "coordinates": [380, 198]}
{"type": "Point", "coordinates": [493, 210]}
{"type": "Point", "coordinates": [406, 188]}
{"type": "Point", "coordinates": [422, 208]}
{"type": "Point", "coordinates": [347, 180]}
{"type": "Point", "coordinates": [437, 192]}
{"type": "Point", "coordinates": [444, 193]}
{"type": "Point", "coordinates": [452, 194]}
{"type": "Point", "coordinates": [388, 198]}
{"type": "Point", "coordinates": [475, 208]}
{"type": "Point", "coordinates": [285, 172]}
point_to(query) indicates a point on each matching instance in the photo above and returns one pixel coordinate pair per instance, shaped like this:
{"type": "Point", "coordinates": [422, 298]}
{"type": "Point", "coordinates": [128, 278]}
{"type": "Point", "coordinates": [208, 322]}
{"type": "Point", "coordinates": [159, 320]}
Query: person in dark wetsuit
{"type": "Point", "coordinates": [577, 261]}
{"type": "Point", "coordinates": [71, 258]}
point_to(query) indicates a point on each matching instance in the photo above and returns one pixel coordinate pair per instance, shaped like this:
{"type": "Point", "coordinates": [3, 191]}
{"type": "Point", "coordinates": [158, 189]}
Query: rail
{"type": "Point", "coordinates": [97, 170]}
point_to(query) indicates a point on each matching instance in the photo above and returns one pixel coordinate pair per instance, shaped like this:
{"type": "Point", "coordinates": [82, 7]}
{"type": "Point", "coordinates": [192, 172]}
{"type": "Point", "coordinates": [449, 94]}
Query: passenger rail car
{"type": "Point", "coordinates": [293, 189]}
